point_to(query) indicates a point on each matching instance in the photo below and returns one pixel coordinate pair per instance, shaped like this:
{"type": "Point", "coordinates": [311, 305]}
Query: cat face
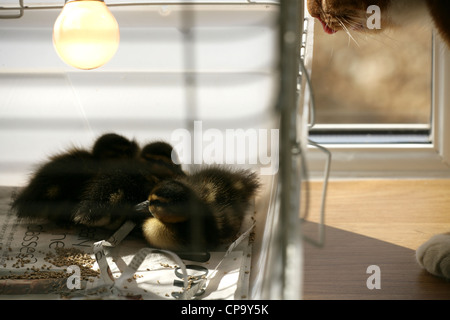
{"type": "Point", "coordinates": [353, 15]}
{"type": "Point", "coordinates": [346, 15]}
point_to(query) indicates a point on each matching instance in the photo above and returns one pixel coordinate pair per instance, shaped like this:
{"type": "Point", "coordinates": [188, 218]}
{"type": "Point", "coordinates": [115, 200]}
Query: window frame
{"type": "Point", "coordinates": [399, 160]}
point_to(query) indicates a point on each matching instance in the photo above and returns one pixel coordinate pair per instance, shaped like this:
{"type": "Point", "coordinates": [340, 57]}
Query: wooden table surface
{"type": "Point", "coordinates": [381, 223]}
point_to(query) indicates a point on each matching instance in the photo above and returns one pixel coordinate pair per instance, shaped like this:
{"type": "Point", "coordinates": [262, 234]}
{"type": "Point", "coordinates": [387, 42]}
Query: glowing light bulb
{"type": "Point", "coordinates": [86, 34]}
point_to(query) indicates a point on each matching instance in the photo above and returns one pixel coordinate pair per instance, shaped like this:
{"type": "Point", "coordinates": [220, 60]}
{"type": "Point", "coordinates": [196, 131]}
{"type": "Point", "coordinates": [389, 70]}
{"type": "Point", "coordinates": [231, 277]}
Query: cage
{"type": "Point", "coordinates": [224, 82]}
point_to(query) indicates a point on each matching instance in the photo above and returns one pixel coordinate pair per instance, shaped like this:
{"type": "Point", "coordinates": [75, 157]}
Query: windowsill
{"type": "Point", "coordinates": [370, 134]}
{"type": "Point", "coordinates": [378, 161]}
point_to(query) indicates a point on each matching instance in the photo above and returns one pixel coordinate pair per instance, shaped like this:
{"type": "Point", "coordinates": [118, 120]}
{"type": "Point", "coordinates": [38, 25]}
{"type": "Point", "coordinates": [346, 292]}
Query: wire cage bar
{"type": "Point", "coordinates": [286, 252]}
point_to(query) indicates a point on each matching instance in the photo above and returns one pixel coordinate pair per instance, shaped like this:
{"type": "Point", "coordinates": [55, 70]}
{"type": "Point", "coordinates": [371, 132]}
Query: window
{"type": "Point", "coordinates": [380, 104]}
{"type": "Point", "coordinates": [377, 79]}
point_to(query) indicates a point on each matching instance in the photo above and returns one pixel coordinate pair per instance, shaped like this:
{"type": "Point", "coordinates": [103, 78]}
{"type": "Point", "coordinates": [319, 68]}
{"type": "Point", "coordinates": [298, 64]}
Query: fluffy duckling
{"type": "Point", "coordinates": [200, 211]}
{"type": "Point", "coordinates": [81, 186]}
{"type": "Point", "coordinates": [110, 198]}
{"type": "Point", "coordinates": [56, 187]}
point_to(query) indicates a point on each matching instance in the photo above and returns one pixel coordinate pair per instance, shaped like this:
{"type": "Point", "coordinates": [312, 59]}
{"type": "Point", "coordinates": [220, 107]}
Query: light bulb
{"type": "Point", "coordinates": [86, 34]}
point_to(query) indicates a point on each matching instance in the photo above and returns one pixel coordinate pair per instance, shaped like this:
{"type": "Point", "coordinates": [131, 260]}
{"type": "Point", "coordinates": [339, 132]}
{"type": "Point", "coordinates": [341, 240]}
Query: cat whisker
{"type": "Point", "coordinates": [344, 27]}
{"type": "Point", "coordinates": [358, 24]}
{"type": "Point", "coordinates": [353, 23]}
{"type": "Point", "coordinates": [350, 21]}
{"type": "Point", "coordinates": [356, 19]}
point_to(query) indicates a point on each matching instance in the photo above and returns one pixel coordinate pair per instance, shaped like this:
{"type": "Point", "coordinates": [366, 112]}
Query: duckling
{"type": "Point", "coordinates": [55, 188]}
{"type": "Point", "coordinates": [200, 211]}
{"type": "Point", "coordinates": [114, 146]}
{"type": "Point", "coordinates": [110, 198]}
{"type": "Point", "coordinates": [159, 155]}
{"type": "Point", "coordinates": [78, 185]}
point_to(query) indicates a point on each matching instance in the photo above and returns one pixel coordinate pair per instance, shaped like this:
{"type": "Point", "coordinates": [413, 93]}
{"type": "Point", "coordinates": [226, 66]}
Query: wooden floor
{"type": "Point", "coordinates": [380, 223]}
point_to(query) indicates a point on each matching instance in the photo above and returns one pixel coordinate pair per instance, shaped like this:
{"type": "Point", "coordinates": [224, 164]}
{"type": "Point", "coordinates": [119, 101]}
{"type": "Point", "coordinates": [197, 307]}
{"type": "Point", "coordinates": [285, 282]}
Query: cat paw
{"type": "Point", "coordinates": [434, 255]}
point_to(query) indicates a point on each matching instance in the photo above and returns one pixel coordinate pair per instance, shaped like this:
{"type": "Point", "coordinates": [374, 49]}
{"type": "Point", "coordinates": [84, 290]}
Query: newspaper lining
{"type": "Point", "coordinates": [127, 267]}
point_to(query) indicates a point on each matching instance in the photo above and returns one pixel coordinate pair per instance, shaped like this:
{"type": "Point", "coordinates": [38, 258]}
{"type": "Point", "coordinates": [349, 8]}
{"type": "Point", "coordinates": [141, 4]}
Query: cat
{"type": "Point", "coordinates": [104, 186]}
{"type": "Point", "coordinates": [347, 15]}
{"type": "Point", "coordinates": [335, 15]}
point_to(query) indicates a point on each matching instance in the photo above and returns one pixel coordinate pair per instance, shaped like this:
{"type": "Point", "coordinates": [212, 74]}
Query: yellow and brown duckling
{"type": "Point", "coordinates": [199, 211]}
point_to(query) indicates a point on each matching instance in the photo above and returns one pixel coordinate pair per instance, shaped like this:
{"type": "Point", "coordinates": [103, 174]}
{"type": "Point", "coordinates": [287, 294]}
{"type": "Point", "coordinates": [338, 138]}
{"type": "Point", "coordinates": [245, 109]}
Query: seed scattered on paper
{"type": "Point", "coordinates": [166, 265]}
{"type": "Point", "coordinates": [62, 257]}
